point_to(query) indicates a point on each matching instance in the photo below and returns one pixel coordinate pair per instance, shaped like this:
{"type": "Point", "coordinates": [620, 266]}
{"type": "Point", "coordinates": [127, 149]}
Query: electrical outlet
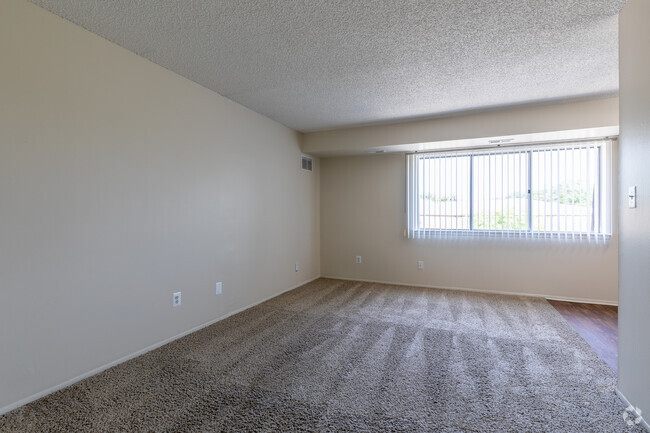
{"type": "Point", "coordinates": [420, 264]}
{"type": "Point", "coordinates": [358, 259]}
{"type": "Point", "coordinates": [297, 267]}
{"type": "Point", "coordinates": [218, 291]}
{"type": "Point", "coordinates": [177, 299]}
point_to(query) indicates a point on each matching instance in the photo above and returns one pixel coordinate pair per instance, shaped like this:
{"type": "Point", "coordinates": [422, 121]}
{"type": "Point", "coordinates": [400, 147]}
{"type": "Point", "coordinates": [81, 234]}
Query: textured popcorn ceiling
{"type": "Point", "coordinates": [323, 64]}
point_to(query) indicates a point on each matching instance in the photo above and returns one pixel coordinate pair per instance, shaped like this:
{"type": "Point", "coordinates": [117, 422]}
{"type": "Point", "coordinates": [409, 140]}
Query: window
{"type": "Point", "coordinates": [560, 190]}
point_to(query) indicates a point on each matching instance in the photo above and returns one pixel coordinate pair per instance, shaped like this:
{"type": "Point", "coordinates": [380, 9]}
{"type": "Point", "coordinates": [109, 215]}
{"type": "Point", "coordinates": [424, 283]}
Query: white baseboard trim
{"type": "Point", "coordinates": [98, 370]}
{"type": "Point", "coordinates": [643, 423]}
{"type": "Point", "coordinates": [582, 300]}
{"type": "Point", "coordinates": [464, 289]}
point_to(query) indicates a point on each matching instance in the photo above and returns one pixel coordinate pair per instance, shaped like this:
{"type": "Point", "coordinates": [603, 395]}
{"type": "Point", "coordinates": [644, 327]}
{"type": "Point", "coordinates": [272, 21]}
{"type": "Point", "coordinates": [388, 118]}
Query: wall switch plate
{"type": "Point", "coordinates": [218, 290]}
{"type": "Point", "coordinates": [358, 259]}
{"type": "Point", "coordinates": [420, 264]}
{"type": "Point", "coordinates": [631, 197]}
{"type": "Point", "coordinates": [177, 299]}
{"type": "Point", "coordinates": [297, 267]}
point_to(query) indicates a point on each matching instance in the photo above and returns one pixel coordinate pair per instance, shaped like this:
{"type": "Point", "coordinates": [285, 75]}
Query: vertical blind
{"type": "Point", "coordinates": [560, 191]}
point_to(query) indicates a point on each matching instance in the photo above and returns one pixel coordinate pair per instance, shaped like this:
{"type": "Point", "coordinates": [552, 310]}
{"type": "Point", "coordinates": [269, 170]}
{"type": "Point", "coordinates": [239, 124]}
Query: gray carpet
{"type": "Point", "coordinates": [347, 356]}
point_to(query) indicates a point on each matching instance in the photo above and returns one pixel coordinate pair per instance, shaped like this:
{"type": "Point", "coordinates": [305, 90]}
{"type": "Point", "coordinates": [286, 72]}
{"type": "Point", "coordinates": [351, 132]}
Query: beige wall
{"type": "Point", "coordinates": [516, 121]}
{"type": "Point", "coordinates": [362, 213]}
{"type": "Point", "coordinates": [121, 183]}
{"type": "Point", "coordinates": [634, 281]}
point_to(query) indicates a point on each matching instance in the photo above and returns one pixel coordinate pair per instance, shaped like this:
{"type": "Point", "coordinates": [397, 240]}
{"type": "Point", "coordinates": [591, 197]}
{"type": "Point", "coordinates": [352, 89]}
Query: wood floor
{"type": "Point", "coordinates": [597, 324]}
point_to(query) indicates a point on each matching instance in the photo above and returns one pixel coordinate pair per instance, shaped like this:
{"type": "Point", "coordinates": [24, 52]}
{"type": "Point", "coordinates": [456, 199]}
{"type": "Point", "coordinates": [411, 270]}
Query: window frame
{"type": "Point", "coordinates": [604, 185]}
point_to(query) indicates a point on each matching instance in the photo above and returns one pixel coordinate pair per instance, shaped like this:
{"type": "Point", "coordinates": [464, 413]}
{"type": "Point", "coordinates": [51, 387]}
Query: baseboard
{"type": "Point", "coordinates": [464, 289]}
{"type": "Point", "coordinates": [582, 300]}
{"type": "Point", "coordinates": [154, 346]}
{"type": "Point", "coordinates": [643, 423]}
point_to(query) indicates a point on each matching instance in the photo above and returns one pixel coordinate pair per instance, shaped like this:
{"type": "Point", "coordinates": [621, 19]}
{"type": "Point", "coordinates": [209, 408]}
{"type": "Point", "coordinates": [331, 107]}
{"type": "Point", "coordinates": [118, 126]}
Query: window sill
{"type": "Point", "coordinates": [509, 234]}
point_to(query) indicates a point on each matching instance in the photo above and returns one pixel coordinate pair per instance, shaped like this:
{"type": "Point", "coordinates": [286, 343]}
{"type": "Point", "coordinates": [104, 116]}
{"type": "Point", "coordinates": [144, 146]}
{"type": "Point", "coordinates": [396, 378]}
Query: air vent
{"type": "Point", "coordinates": [306, 163]}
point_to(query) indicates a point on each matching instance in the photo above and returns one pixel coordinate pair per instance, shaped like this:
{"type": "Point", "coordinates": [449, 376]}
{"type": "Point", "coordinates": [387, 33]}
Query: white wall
{"type": "Point", "coordinates": [634, 261]}
{"type": "Point", "coordinates": [363, 213]}
{"type": "Point", "coordinates": [363, 210]}
{"type": "Point", "coordinates": [120, 183]}
{"type": "Point", "coordinates": [508, 122]}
